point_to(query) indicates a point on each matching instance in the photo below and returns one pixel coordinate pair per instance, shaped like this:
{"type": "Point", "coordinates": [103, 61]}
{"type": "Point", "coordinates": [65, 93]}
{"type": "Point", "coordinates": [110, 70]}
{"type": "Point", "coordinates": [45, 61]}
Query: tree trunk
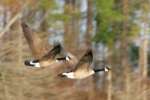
{"type": "Point", "coordinates": [143, 50]}
{"type": "Point", "coordinates": [143, 61]}
{"type": "Point", "coordinates": [109, 91]}
{"type": "Point", "coordinates": [71, 25]}
{"type": "Point", "coordinates": [124, 48]}
{"type": "Point", "coordinates": [110, 64]}
{"type": "Point", "coordinates": [89, 23]}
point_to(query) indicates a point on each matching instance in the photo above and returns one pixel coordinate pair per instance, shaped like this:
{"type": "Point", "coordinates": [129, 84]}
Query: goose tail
{"type": "Point", "coordinates": [32, 63]}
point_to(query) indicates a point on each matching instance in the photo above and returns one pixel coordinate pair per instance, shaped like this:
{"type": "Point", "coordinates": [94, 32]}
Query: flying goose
{"type": "Point", "coordinates": [39, 50]}
{"type": "Point", "coordinates": [83, 68]}
{"type": "Point", "coordinates": [49, 58]}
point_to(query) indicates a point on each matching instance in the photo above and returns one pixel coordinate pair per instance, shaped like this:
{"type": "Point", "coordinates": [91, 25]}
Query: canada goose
{"type": "Point", "coordinates": [40, 48]}
{"type": "Point", "coordinates": [49, 58]}
{"type": "Point", "coordinates": [82, 68]}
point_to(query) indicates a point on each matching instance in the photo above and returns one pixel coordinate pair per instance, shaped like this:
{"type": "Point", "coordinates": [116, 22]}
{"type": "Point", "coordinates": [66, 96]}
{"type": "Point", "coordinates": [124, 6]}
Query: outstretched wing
{"type": "Point", "coordinates": [85, 60]}
{"type": "Point", "coordinates": [53, 52]}
{"type": "Point", "coordinates": [37, 46]}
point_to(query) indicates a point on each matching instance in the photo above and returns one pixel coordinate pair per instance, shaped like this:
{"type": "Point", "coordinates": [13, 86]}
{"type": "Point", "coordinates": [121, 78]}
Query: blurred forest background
{"type": "Point", "coordinates": [117, 30]}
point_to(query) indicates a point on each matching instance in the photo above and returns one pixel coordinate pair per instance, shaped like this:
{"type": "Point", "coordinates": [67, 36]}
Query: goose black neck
{"type": "Point", "coordinates": [62, 58]}
{"type": "Point", "coordinates": [99, 70]}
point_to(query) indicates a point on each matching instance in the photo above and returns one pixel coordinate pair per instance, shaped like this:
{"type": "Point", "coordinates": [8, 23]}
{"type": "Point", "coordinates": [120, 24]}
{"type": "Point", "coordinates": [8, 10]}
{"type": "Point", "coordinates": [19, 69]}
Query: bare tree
{"type": "Point", "coordinates": [89, 23]}
{"type": "Point", "coordinates": [71, 25]}
{"type": "Point", "coordinates": [143, 61]}
{"type": "Point", "coordinates": [124, 47]}
{"type": "Point", "coordinates": [143, 50]}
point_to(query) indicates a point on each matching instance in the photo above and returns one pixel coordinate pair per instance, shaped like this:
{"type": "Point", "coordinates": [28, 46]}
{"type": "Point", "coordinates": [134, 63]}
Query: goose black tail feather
{"type": "Point", "coordinates": [28, 62]}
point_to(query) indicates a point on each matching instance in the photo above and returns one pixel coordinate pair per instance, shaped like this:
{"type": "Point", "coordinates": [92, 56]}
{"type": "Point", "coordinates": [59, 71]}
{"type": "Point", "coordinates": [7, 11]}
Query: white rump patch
{"type": "Point", "coordinates": [37, 64]}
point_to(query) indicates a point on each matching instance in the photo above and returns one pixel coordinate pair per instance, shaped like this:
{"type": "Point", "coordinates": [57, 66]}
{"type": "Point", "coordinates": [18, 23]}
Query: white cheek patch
{"type": "Point", "coordinates": [67, 58]}
{"type": "Point", "coordinates": [92, 72]}
{"type": "Point", "coordinates": [106, 69]}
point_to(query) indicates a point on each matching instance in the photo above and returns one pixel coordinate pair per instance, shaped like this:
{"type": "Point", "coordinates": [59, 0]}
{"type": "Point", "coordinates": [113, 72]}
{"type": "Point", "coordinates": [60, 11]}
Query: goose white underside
{"type": "Point", "coordinates": [69, 75]}
{"type": "Point", "coordinates": [81, 75]}
{"type": "Point", "coordinates": [37, 64]}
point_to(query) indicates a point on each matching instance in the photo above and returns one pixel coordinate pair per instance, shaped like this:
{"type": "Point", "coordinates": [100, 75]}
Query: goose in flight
{"type": "Point", "coordinates": [41, 52]}
{"type": "Point", "coordinates": [83, 68]}
{"type": "Point", "coordinates": [49, 58]}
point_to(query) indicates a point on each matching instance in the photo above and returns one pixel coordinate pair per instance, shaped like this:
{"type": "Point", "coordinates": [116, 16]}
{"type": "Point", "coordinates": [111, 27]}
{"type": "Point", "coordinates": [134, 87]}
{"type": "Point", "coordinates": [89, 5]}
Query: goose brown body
{"type": "Point", "coordinates": [48, 59]}
{"type": "Point", "coordinates": [83, 67]}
